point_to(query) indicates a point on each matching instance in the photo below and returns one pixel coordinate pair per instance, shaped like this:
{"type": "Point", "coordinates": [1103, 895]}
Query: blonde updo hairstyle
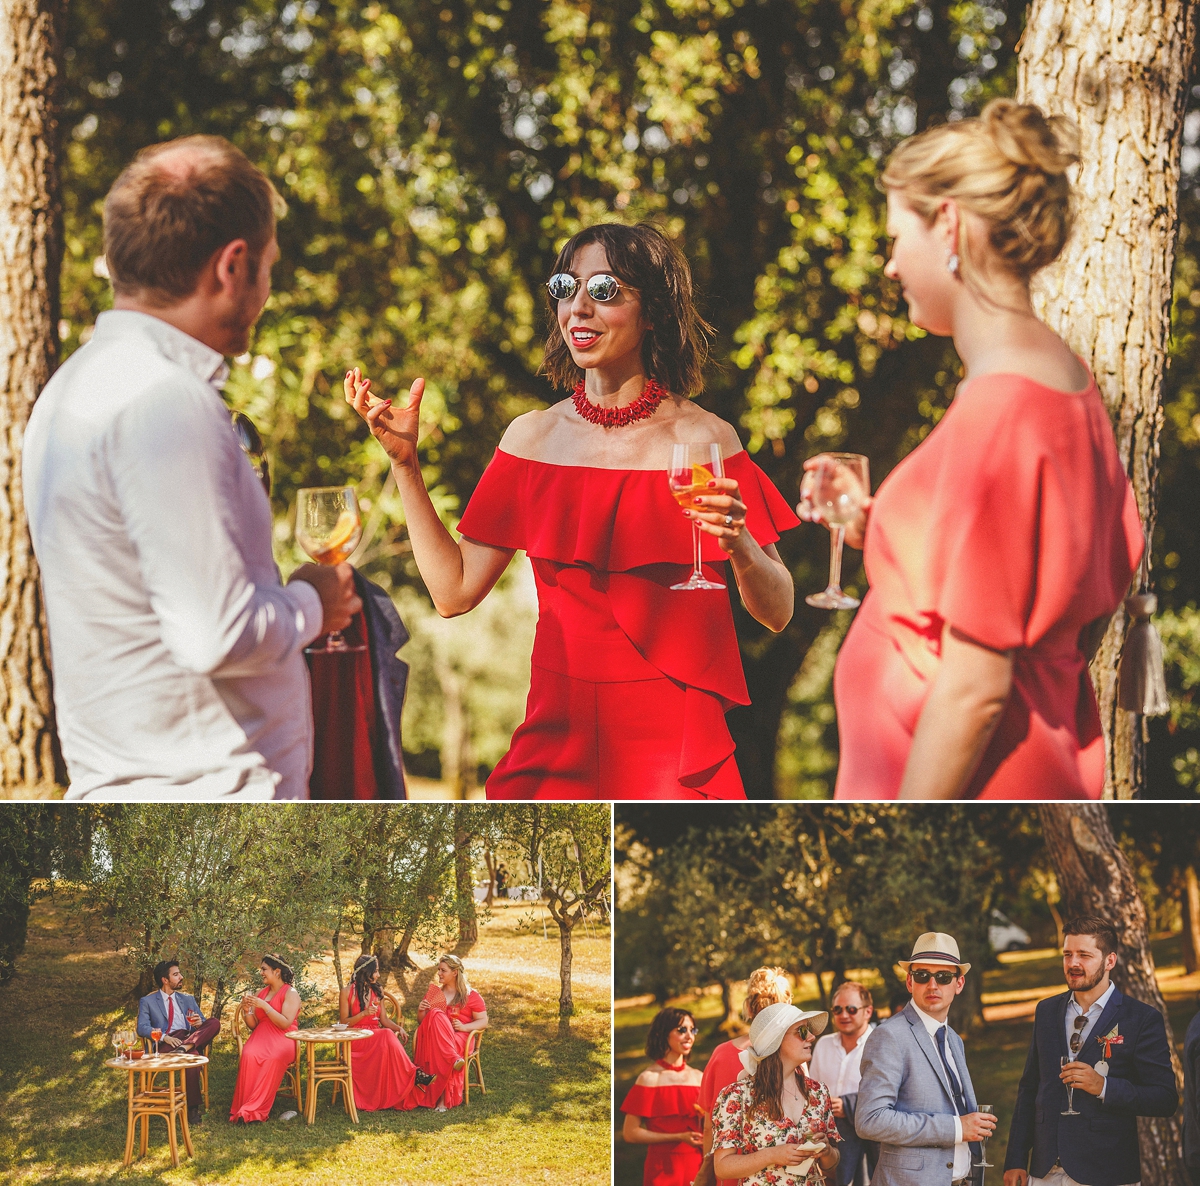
{"type": "Point", "coordinates": [767, 986]}
{"type": "Point", "coordinates": [1009, 168]}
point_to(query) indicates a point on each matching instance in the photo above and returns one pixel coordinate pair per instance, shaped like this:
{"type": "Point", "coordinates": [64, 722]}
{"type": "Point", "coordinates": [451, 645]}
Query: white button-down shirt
{"type": "Point", "coordinates": [179, 1021]}
{"type": "Point", "coordinates": [962, 1151]}
{"type": "Point", "coordinates": [1093, 1015]}
{"type": "Point", "coordinates": [177, 652]}
{"type": "Point", "coordinates": [835, 1066]}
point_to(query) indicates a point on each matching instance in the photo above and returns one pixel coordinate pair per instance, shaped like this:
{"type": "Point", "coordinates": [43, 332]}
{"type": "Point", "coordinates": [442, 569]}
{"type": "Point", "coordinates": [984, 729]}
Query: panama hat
{"type": "Point", "coordinates": [768, 1028]}
{"type": "Point", "coordinates": [933, 947]}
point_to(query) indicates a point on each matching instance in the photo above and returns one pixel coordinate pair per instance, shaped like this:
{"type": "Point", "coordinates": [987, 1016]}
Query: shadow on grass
{"type": "Point", "coordinates": [63, 1114]}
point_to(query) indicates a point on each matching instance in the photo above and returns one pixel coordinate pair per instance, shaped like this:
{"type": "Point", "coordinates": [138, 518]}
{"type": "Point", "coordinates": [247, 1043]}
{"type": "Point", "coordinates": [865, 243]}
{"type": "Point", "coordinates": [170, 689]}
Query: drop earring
{"type": "Point", "coordinates": [952, 264]}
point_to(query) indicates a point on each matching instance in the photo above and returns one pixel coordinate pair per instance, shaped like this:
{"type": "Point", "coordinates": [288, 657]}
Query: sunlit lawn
{"type": "Point", "coordinates": [996, 1053]}
{"type": "Point", "coordinates": [545, 1117]}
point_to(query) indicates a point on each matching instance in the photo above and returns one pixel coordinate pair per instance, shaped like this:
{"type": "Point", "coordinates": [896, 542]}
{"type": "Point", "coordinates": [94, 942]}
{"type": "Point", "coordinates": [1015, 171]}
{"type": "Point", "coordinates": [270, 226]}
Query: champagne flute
{"type": "Point", "coordinates": [1062, 1062]}
{"type": "Point", "coordinates": [983, 1162]}
{"type": "Point", "coordinates": [836, 488]}
{"type": "Point", "coordinates": [328, 528]}
{"type": "Point", "coordinates": [692, 468]}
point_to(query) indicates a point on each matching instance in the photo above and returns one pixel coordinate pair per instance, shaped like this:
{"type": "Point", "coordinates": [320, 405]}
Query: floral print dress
{"type": "Point", "coordinates": [735, 1128]}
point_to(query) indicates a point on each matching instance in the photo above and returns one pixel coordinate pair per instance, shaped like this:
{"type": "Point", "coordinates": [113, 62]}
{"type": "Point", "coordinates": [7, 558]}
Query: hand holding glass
{"type": "Point", "coordinates": [1062, 1062]}
{"type": "Point", "coordinates": [983, 1162]}
{"type": "Point", "coordinates": [328, 528]}
{"type": "Point", "coordinates": [836, 489]}
{"type": "Point", "coordinates": [692, 468]}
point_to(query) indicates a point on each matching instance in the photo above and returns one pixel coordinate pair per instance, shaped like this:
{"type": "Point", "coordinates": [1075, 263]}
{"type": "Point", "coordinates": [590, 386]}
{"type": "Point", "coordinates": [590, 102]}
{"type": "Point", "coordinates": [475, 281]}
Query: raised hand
{"type": "Point", "coordinates": [396, 429]}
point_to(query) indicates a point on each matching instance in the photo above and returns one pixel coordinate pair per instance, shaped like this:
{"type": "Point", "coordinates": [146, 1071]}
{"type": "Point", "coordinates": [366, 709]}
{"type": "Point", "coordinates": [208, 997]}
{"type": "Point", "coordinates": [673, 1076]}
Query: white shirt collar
{"type": "Point", "coordinates": [203, 361]}
{"type": "Point", "coordinates": [1098, 1004]}
{"type": "Point", "coordinates": [932, 1025]}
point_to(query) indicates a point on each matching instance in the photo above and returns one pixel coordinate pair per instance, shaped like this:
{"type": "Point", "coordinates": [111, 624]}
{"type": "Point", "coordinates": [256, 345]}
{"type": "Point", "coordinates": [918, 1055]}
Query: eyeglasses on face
{"type": "Point", "coordinates": [924, 975]}
{"type": "Point", "coordinates": [685, 1029]}
{"type": "Point", "coordinates": [602, 287]}
{"type": "Point", "coordinates": [838, 1010]}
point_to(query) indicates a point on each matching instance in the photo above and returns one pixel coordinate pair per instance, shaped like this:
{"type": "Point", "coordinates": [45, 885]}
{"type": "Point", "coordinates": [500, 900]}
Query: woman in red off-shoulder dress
{"type": "Point", "coordinates": [631, 680]}
{"type": "Point", "coordinates": [661, 1108]}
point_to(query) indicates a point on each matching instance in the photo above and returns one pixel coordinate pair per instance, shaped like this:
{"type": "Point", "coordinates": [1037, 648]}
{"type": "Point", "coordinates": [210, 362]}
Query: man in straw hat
{"type": "Point", "coordinates": [915, 1096]}
{"type": "Point", "coordinates": [1110, 1052]}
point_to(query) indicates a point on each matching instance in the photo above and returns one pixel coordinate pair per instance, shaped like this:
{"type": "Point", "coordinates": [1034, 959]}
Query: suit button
{"type": "Point", "coordinates": [949, 1165]}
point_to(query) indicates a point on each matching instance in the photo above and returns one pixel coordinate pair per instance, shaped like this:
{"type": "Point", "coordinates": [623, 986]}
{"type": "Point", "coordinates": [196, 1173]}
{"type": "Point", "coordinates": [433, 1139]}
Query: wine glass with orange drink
{"type": "Point", "coordinates": [328, 528]}
{"type": "Point", "coordinates": [691, 469]}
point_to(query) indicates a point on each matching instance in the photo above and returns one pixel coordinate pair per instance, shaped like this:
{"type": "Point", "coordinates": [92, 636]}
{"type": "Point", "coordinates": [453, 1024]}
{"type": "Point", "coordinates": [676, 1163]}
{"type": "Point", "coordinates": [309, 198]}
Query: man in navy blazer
{"type": "Point", "coordinates": [1116, 1061]}
{"type": "Point", "coordinates": [183, 1026]}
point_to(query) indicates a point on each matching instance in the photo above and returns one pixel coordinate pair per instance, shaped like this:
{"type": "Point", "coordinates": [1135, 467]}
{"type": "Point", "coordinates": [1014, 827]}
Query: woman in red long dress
{"type": "Point", "coordinates": [999, 548]}
{"type": "Point", "coordinates": [446, 1033]}
{"type": "Point", "coordinates": [766, 986]}
{"type": "Point", "coordinates": [661, 1107]}
{"type": "Point", "coordinates": [267, 1054]}
{"type": "Point", "coordinates": [631, 680]}
{"type": "Point", "coordinates": [384, 1075]}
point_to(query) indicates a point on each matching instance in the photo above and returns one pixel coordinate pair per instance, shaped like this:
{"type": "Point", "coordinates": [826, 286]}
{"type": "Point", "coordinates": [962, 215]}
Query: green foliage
{"type": "Point", "coordinates": [434, 158]}
{"type": "Point", "coordinates": [25, 846]}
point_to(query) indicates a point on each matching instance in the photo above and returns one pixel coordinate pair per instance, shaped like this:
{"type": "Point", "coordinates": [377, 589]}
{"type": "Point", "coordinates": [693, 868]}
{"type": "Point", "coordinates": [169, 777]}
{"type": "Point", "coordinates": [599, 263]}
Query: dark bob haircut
{"type": "Point", "coordinates": [667, 1020]}
{"type": "Point", "coordinates": [1103, 932]}
{"type": "Point", "coordinates": [675, 347]}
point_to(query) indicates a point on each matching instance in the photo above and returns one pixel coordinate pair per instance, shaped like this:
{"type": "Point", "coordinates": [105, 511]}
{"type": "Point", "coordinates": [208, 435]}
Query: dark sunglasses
{"type": "Point", "coordinates": [1077, 1036]}
{"type": "Point", "coordinates": [562, 286]}
{"type": "Point", "coordinates": [252, 445]}
{"type": "Point", "coordinates": [924, 975]}
{"type": "Point", "coordinates": [685, 1029]}
{"type": "Point", "coordinates": [838, 1010]}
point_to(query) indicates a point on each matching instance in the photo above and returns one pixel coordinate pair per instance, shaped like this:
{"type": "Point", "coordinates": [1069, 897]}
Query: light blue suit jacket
{"type": "Point", "coordinates": [152, 1012]}
{"type": "Point", "coordinates": [905, 1102]}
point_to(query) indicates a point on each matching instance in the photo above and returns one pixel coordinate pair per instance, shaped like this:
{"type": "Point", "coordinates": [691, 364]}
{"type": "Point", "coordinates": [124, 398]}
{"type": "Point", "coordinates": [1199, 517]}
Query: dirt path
{"type": "Point", "coordinates": [591, 979]}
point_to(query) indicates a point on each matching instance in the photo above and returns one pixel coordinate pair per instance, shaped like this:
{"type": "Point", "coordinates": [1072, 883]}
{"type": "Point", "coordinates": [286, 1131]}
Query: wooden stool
{"type": "Point", "coordinates": [473, 1061]}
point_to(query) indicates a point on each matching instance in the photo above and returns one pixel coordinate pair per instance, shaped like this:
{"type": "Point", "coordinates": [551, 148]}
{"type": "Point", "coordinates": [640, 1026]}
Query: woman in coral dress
{"type": "Point", "coordinates": [447, 1022]}
{"type": "Point", "coordinates": [631, 679]}
{"type": "Point", "coordinates": [384, 1075]}
{"type": "Point", "coordinates": [999, 548]}
{"type": "Point", "coordinates": [766, 986]}
{"type": "Point", "coordinates": [661, 1107]}
{"type": "Point", "coordinates": [267, 1054]}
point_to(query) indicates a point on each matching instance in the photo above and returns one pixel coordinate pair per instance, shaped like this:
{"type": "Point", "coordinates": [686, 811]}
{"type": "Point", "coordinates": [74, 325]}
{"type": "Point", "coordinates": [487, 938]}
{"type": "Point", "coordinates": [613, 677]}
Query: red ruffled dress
{"type": "Point", "coordinates": [384, 1075]}
{"type": "Point", "coordinates": [630, 680]}
{"type": "Point", "coordinates": [439, 1046]}
{"type": "Point", "coordinates": [1014, 522]}
{"type": "Point", "coordinates": [668, 1109]}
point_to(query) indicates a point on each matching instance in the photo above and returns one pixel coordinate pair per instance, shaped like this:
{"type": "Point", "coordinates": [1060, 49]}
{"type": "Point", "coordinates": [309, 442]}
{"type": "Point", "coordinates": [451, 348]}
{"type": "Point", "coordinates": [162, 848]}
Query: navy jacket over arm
{"type": "Point", "coordinates": [1100, 1145]}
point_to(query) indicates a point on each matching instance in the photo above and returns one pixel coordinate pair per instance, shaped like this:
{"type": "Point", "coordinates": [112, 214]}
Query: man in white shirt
{"type": "Point", "coordinates": [176, 649]}
{"type": "Point", "coordinates": [915, 1095]}
{"type": "Point", "coordinates": [835, 1062]}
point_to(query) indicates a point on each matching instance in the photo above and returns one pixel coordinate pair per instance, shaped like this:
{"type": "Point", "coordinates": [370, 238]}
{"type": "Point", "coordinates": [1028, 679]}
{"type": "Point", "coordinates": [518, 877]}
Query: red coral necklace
{"type": "Point", "coordinates": [666, 1066]}
{"type": "Point", "coordinates": [641, 408]}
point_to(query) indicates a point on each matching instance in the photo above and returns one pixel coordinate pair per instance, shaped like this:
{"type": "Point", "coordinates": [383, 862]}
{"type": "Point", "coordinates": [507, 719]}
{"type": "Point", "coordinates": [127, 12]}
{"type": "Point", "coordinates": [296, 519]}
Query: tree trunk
{"type": "Point", "coordinates": [726, 1003]}
{"type": "Point", "coordinates": [1094, 877]}
{"type": "Point", "coordinates": [30, 260]}
{"type": "Point", "coordinates": [401, 960]}
{"type": "Point", "coordinates": [218, 999]}
{"type": "Point", "coordinates": [566, 1001]}
{"type": "Point", "coordinates": [1191, 919]}
{"type": "Point", "coordinates": [489, 859]}
{"type": "Point", "coordinates": [464, 885]}
{"type": "Point", "coordinates": [1121, 72]}
{"type": "Point", "coordinates": [337, 956]}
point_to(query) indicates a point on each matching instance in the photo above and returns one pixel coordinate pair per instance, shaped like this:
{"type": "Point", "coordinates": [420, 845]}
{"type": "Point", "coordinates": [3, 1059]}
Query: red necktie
{"type": "Point", "coordinates": [170, 1013]}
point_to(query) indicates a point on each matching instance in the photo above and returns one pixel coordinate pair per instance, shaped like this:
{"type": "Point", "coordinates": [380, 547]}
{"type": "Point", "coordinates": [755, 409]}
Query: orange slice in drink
{"type": "Point", "coordinates": [701, 476]}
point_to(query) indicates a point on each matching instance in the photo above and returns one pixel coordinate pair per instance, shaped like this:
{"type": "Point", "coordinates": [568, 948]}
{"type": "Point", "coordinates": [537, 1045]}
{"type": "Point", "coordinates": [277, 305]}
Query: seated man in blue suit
{"type": "Point", "coordinates": [915, 1096]}
{"type": "Point", "coordinates": [183, 1026]}
{"type": "Point", "coordinates": [1112, 1050]}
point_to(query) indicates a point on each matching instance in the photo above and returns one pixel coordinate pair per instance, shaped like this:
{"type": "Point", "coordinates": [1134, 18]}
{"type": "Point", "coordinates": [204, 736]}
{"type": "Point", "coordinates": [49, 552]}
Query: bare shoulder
{"type": "Point", "coordinates": [523, 436]}
{"type": "Point", "coordinates": [649, 1077]}
{"type": "Point", "coordinates": [1045, 359]}
{"type": "Point", "coordinates": [690, 418]}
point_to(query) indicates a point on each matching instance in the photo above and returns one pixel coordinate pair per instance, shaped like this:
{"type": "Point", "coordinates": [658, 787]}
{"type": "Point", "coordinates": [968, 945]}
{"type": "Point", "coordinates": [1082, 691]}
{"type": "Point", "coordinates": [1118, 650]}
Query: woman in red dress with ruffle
{"type": "Point", "coordinates": [267, 1054]}
{"type": "Point", "coordinates": [661, 1107]}
{"type": "Point", "coordinates": [999, 548]}
{"type": "Point", "coordinates": [630, 679]}
{"type": "Point", "coordinates": [445, 1033]}
{"type": "Point", "coordinates": [384, 1076]}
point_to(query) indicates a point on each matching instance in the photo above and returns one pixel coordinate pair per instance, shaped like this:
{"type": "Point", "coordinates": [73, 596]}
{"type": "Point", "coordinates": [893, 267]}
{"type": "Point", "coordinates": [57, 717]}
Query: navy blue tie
{"type": "Point", "coordinates": [959, 1102]}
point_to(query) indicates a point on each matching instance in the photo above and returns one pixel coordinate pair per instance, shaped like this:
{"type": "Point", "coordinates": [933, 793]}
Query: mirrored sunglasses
{"type": "Point", "coordinates": [838, 1010]}
{"type": "Point", "coordinates": [685, 1029]}
{"type": "Point", "coordinates": [562, 286]}
{"type": "Point", "coordinates": [923, 976]}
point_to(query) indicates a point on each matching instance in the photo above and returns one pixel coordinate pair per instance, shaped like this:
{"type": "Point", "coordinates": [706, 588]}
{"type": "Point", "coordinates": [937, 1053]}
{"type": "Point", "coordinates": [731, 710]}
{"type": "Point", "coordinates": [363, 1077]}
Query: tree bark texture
{"type": "Point", "coordinates": [30, 260]}
{"type": "Point", "coordinates": [1191, 919]}
{"type": "Point", "coordinates": [566, 999]}
{"type": "Point", "coordinates": [1094, 877]}
{"type": "Point", "coordinates": [464, 884]}
{"type": "Point", "coordinates": [1121, 72]}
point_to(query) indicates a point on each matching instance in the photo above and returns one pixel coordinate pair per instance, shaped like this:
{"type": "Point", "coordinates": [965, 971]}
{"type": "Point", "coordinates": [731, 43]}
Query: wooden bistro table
{"type": "Point", "coordinates": [146, 1101]}
{"type": "Point", "coordinates": [335, 1070]}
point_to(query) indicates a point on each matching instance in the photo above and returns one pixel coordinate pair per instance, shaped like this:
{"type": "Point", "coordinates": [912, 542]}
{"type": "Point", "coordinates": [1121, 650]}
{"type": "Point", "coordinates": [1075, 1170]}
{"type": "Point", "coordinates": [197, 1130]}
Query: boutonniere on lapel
{"type": "Point", "coordinates": [1111, 1039]}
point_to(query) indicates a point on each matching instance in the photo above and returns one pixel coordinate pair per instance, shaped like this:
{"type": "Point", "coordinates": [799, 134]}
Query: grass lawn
{"type": "Point", "coordinates": [996, 1053]}
{"type": "Point", "coordinates": [545, 1117]}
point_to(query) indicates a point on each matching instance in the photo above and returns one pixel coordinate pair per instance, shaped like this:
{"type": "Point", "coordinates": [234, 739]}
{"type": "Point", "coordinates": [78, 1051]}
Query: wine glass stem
{"type": "Point", "coordinates": [697, 571]}
{"type": "Point", "coordinates": [836, 538]}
